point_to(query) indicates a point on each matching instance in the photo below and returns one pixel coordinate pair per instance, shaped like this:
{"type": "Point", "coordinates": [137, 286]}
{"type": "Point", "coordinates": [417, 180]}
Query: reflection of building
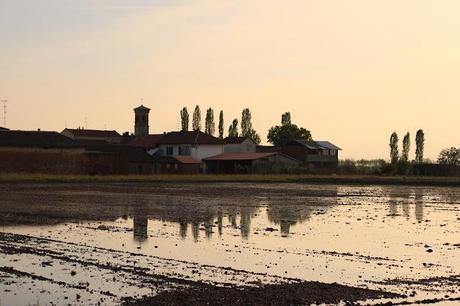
{"type": "Point", "coordinates": [140, 224]}
{"type": "Point", "coordinates": [287, 215]}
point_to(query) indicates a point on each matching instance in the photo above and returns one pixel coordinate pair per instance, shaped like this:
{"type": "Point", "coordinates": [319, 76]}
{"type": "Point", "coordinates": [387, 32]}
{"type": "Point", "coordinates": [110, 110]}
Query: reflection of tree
{"type": "Point", "coordinates": [195, 230]}
{"type": "Point", "coordinates": [205, 216]}
{"type": "Point", "coordinates": [245, 221]}
{"type": "Point", "coordinates": [287, 215]}
{"type": "Point", "coordinates": [419, 204]}
{"type": "Point", "coordinates": [183, 226]}
{"type": "Point", "coordinates": [404, 197]}
{"type": "Point", "coordinates": [140, 224]}
{"type": "Point", "coordinates": [220, 216]}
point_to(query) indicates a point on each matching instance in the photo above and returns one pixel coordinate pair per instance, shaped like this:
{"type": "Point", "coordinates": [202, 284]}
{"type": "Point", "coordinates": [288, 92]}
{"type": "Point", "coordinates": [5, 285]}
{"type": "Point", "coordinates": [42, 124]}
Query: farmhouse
{"type": "Point", "coordinates": [314, 154]}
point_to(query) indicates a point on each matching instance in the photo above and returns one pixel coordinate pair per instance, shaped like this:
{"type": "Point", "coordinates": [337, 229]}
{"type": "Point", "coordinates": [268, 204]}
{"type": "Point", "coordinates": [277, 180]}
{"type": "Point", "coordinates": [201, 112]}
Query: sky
{"type": "Point", "coordinates": [351, 72]}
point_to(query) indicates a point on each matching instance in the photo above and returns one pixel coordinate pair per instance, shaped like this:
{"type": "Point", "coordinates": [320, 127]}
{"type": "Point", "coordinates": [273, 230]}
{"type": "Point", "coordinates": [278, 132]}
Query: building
{"type": "Point", "coordinates": [247, 162]}
{"type": "Point", "coordinates": [117, 159]}
{"type": "Point", "coordinates": [239, 144]}
{"type": "Point", "coordinates": [313, 154]}
{"type": "Point", "coordinates": [3, 129]}
{"type": "Point", "coordinates": [141, 121]}
{"type": "Point", "coordinates": [39, 151]}
{"type": "Point", "coordinates": [194, 144]}
{"type": "Point", "coordinates": [85, 135]}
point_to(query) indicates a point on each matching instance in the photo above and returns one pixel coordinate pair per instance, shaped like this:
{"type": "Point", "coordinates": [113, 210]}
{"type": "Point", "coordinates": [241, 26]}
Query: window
{"type": "Point", "coordinates": [169, 150]}
{"type": "Point", "coordinates": [184, 150]}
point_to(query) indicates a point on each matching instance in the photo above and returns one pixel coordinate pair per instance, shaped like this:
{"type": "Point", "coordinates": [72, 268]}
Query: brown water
{"type": "Point", "coordinates": [83, 238]}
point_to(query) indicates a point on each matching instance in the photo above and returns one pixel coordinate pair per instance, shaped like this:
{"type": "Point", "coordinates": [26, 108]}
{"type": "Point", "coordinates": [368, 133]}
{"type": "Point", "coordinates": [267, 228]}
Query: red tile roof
{"type": "Point", "coordinates": [94, 133]}
{"type": "Point", "coordinates": [240, 156]}
{"type": "Point", "coordinates": [186, 160]}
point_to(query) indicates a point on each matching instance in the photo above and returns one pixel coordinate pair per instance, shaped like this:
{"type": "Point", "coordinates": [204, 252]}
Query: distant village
{"type": "Point", "coordinates": [102, 152]}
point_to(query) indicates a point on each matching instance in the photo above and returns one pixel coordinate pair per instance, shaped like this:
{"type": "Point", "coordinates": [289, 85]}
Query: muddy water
{"type": "Point", "coordinates": [101, 243]}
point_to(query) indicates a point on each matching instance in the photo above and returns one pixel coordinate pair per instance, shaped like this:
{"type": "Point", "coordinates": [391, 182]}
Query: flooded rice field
{"type": "Point", "coordinates": [228, 244]}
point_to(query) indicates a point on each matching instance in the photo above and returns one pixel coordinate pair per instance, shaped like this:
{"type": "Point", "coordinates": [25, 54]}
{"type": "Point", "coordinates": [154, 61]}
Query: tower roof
{"type": "Point", "coordinates": [142, 108]}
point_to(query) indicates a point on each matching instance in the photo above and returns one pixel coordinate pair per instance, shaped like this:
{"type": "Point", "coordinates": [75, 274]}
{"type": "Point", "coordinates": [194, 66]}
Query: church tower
{"type": "Point", "coordinates": [141, 123]}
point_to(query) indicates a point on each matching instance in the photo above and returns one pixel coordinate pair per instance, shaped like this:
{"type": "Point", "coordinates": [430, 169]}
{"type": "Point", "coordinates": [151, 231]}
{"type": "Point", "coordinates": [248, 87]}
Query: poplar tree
{"type": "Point", "coordinates": [221, 125]}
{"type": "Point", "coordinates": [209, 126]}
{"type": "Point", "coordinates": [420, 144]}
{"type": "Point", "coordinates": [196, 123]}
{"type": "Point", "coordinates": [394, 151]}
{"type": "Point", "coordinates": [184, 119]}
{"type": "Point", "coordinates": [406, 148]}
{"type": "Point", "coordinates": [246, 126]}
{"type": "Point", "coordinates": [233, 129]}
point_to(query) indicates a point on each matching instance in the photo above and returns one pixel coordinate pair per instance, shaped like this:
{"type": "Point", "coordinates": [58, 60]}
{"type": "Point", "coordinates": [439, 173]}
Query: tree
{"type": "Point", "coordinates": [284, 134]}
{"type": "Point", "coordinates": [233, 129]}
{"type": "Point", "coordinates": [221, 125]}
{"type": "Point", "coordinates": [286, 118]}
{"type": "Point", "coordinates": [246, 126]}
{"type": "Point", "coordinates": [280, 135]}
{"type": "Point", "coordinates": [184, 119]}
{"type": "Point", "coordinates": [449, 156]}
{"type": "Point", "coordinates": [196, 123]}
{"type": "Point", "coordinates": [406, 148]}
{"type": "Point", "coordinates": [394, 151]}
{"type": "Point", "coordinates": [252, 134]}
{"type": "Point", "coordinates": [209, 127]}
{"type": "Point", "coordinates": [420, 144]}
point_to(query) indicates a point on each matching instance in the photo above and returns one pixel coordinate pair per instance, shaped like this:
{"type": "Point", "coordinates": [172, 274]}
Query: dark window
{"type": "Point", "coordinates": [169, 150]}
{"type": "Point", "coordinates": [184, 150]}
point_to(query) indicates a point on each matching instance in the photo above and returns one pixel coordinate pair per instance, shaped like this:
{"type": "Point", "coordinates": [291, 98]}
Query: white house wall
{"type": "Point", "coordinates": [204, 151]}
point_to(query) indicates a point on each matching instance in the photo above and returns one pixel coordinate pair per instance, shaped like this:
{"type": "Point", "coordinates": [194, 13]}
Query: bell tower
{"type": "Point", "coordinates": [141, 122]}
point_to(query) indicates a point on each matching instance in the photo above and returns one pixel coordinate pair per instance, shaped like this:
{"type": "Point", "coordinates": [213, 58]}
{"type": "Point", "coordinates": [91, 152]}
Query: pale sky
{"type": "Point", "coordinates": [350, 71]}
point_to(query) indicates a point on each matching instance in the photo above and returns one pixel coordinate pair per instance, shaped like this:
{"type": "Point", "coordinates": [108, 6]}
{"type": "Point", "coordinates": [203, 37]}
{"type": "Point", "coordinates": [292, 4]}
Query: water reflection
{"type": "Point", "coordinates": [204, 219]}
{"type": "Point", "coordinates": [140, 228]}
{"type": "Point", "coordinates": [405, 198]}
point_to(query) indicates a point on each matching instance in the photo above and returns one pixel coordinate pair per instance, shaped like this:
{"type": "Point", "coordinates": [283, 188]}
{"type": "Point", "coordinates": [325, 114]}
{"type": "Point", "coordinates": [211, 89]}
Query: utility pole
{"type": "Point", "coordinates": [4, 111]}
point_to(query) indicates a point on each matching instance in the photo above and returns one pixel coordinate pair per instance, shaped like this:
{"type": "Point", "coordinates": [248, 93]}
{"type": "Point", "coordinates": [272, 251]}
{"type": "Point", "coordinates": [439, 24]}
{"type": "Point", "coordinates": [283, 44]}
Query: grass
{"type": "Point", "coordinates": [253, 178]}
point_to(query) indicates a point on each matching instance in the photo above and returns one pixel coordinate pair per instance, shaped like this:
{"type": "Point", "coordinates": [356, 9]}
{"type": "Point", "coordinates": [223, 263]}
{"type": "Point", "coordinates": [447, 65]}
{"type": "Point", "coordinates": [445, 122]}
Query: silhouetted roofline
{"type": "Point", "coordinates": [142, 107]}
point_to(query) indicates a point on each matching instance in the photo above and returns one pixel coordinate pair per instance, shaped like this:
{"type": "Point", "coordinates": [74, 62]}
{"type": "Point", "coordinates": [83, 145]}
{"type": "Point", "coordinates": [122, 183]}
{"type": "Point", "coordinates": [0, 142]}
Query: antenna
{"type": "Point", "coordinates": [4, 111]}
{"type": "Point", "coordinates": [86, 123]}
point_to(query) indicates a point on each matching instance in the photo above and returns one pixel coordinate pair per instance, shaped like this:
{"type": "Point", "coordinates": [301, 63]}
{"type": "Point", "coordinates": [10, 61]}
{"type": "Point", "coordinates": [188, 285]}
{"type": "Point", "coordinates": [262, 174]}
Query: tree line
{"type": "Point", "coordinates": [449, 156]}
{"type": "Point", "coordinates": [277, 135]}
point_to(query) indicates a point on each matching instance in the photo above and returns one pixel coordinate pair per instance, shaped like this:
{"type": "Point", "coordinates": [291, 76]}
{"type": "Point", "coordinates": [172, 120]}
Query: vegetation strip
{"type": "Point", "coordinates": [305, 179]}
